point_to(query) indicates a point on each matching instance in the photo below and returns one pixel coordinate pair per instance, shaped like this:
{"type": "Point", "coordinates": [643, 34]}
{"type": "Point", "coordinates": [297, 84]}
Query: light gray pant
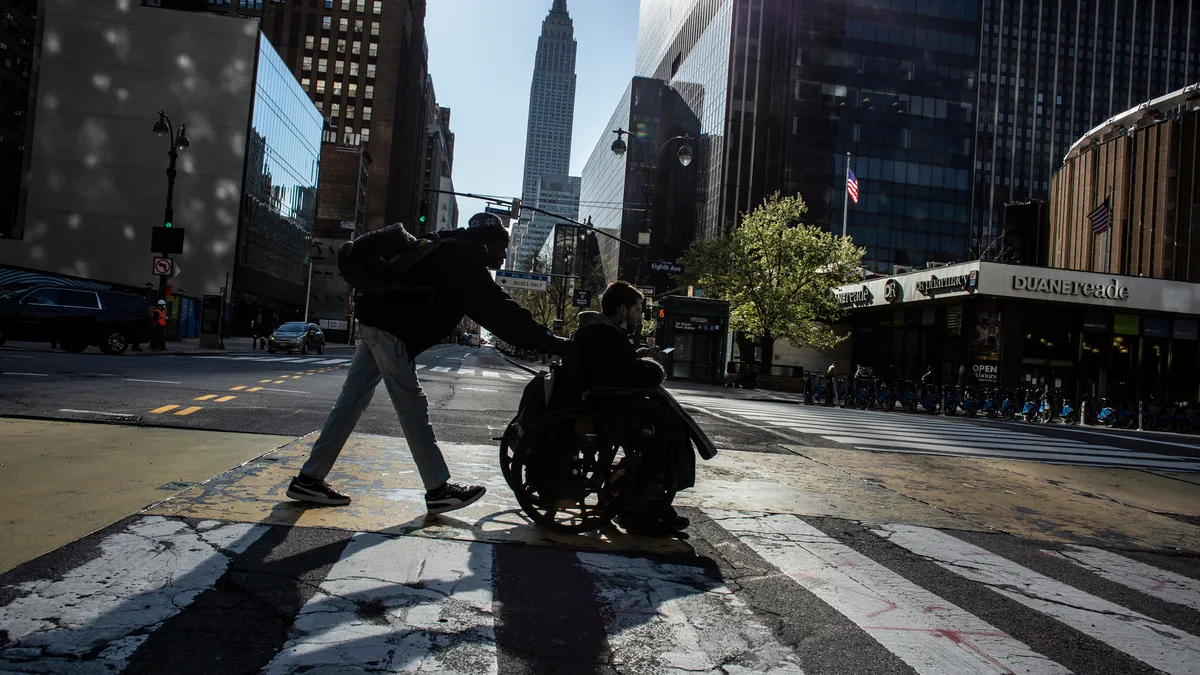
{"type": "Point", "coordinates": [380, 356]}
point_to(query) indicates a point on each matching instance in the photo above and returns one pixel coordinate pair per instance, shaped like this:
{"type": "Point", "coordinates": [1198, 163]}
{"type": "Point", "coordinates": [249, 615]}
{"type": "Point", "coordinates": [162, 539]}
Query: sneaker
{"type": "Point", "coordinates": [452, 496]}
{"type": "Point", "coordinates": [307, 489]}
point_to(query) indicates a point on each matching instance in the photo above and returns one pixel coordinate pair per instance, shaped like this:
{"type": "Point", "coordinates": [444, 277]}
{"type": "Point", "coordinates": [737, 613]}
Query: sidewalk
{"type": "Point", "coordinates": [64, 480]}
{"type": "Point", "coordinates": [184, 347]}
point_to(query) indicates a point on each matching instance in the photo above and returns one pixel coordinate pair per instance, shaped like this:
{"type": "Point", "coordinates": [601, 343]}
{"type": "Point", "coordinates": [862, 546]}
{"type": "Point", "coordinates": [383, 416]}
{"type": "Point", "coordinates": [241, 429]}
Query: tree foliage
{"type": "Point", "coordinates": [544, 305]}
{"type": "Point", "coordinates": [778, 274]}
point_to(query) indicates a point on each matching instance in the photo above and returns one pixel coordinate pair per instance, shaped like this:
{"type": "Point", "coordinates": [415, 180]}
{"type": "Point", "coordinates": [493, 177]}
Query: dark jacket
{"type": "Point", "coordinates": [607, 357]}
{"type": "Point", "coordinates": [448, 283]}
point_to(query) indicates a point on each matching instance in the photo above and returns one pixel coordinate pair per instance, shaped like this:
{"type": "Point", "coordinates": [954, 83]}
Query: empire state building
{"type": "Point", "coordinates": [548, 136]}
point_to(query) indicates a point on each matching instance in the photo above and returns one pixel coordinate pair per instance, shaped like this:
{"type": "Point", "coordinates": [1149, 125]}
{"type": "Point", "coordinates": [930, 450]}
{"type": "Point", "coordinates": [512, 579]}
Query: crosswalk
{"type": "Point", "coordinates": [317, 360]}
{"type": "Point", "coordinates": [923, 434]}
{"type": "Point", "coordinates": [762, 593]}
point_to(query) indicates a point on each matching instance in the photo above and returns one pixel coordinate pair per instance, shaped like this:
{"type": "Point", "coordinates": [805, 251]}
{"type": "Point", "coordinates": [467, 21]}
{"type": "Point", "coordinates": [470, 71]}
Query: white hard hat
{"type": "Point", "coordinates": [163, 303]}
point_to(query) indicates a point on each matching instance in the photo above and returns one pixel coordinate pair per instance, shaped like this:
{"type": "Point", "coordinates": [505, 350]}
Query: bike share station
{"type": "Point", "coordinates": [1104, 335]}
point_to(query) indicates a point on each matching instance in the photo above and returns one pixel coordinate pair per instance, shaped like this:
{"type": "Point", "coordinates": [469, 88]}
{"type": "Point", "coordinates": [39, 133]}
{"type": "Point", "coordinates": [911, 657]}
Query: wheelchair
{"type": "Point", "coordinates": [569, 464]}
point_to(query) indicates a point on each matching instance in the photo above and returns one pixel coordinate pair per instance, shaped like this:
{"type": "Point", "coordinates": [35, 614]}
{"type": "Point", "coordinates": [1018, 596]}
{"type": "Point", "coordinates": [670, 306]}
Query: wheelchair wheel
{"type": "Point", "coordinates": [561, 470]}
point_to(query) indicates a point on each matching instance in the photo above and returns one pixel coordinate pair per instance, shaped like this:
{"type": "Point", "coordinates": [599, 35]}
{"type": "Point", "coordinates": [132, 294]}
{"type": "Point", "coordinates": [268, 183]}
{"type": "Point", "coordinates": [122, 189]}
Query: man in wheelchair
{"type": "Point", "coordinates": [604, 357]}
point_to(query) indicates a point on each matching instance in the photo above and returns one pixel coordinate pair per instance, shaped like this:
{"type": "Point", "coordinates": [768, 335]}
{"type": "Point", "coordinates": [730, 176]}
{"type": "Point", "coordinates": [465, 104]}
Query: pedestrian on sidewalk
{"type": "Point", "coordinates": [425, 304]}
{"type": "Point", "coordinates": [159, 320]}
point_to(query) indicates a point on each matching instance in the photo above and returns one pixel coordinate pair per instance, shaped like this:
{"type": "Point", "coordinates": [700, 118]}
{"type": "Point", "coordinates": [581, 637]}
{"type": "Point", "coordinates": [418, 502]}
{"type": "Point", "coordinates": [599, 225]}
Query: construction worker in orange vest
{"type": "Point", "coordinates": [158, 318]}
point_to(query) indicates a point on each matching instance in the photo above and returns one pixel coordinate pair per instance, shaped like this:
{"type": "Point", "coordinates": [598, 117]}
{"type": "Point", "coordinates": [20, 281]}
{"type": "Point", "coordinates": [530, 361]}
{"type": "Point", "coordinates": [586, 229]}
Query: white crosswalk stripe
{"type": "Point", "coordinates": [923, 434]}
{"type": "Point", "coordinates": [441, 370]}
{"type": "Point", "coordinates": [1162, 584]}
{"type": "Point", "coordinates": [395, 603]}
{"type": "Point", "coordinates": [926, 632]}
{"type": "Point", "coordinates": [1149, 641]}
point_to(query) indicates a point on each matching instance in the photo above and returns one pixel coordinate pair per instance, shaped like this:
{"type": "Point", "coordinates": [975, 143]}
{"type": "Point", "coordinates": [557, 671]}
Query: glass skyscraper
{"type": "Point", "coordinates": [1052, 71]}
{"type": "Point", "coordinates": [279, 192]}
{"type": "Point", "coordinates": [548, 137]}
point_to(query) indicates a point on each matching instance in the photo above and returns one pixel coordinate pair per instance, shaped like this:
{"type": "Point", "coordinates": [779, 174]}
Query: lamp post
{"type": "Point", "coordinates": [178, 142]}
{"type": "Point", "coordinates": [684, 156]}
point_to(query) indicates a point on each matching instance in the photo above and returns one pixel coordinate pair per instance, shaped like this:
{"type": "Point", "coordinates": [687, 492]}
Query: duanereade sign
{"type": "Point", "coordinates": [1113, 290]}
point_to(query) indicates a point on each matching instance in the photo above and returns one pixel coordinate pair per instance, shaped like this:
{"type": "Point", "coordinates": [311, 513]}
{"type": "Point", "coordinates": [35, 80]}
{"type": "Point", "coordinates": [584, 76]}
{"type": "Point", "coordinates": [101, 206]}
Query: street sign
{"type": "Point", "coordinates": [667, 266]}
{"type": "Point", "coordinates": [581, 298]}
{"type": "Point", "coordinates": [503, 213]}
{"type": "Point", "coordinates": [524, 281]}
{"type": "Point", "coordinates": [647, 291]}
{"type": "Point", "coordinates": [162, 267]}
{"type": "Point", "coordinates": [167, 240]}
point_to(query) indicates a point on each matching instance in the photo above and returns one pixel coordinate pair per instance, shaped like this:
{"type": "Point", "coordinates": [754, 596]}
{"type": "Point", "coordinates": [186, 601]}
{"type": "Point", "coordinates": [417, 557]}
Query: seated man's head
{"type": "Point", "coordinates": [487, 229]}
{"type": "Point", "coordinates": [622, 304]}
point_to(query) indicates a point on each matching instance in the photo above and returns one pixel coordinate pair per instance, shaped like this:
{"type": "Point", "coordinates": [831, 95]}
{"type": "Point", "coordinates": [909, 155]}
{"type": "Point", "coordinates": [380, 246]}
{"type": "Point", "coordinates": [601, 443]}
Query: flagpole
{"type": "Point", "coordinates": [846, 195]}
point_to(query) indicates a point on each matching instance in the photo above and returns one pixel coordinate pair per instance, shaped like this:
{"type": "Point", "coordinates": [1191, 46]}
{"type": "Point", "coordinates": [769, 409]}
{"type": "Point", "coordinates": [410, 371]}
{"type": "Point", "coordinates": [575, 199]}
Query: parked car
{"type": "Point", "coordinates": [73, 317]}
{"type": "Point", "coordinates": [297, 336]}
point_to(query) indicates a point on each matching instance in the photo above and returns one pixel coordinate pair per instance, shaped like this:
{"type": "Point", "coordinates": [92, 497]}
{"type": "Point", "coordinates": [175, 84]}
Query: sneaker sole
{"type": "Point", "coordinates": [433, 511]}
{"type": "Point", "coordinates": [315, 498]}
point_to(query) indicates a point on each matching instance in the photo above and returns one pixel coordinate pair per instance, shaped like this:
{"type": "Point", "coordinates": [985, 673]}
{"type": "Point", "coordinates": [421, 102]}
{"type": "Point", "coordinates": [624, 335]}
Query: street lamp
{"type": "Point", "coordinates": [180, 142]}
{"type": "Point", "coordinates": [684, 156]}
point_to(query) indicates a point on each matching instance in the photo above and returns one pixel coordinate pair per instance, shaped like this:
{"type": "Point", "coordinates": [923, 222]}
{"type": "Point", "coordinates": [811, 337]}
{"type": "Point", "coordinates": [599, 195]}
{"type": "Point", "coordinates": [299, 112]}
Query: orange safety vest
{"type": "Point", "coordinates": [160, 318]}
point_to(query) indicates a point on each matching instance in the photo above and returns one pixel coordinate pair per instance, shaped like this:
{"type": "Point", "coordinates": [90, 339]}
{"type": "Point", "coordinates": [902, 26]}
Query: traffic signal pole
{"type": "Point", "coordinates": [169, 214]}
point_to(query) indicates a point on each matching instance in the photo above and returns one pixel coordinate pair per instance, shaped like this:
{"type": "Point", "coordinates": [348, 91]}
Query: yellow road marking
{"type": "Point", "coordinates": [165, 408]}
{"type": "Point", "coordinates": [264, 381]}
{"type": "Point", "coordinates": [205, 397]}
{"type": "Point", "coordinates": [225, 398]}
{"type": "Point", "coordinates": [254, 388]}
{"type": "Point", "coordinates": [277, 382]}
{"type": "Point", "coordinates": [299, 372]}
{"type": "Point", "coordinates": [188, 410]}
{"type": "Point", "coordinates": [237, 388]}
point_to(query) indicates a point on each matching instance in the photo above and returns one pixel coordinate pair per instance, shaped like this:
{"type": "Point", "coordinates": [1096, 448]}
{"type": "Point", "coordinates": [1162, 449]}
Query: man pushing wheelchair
{"type": "Point", "coordinates": [600, 439]}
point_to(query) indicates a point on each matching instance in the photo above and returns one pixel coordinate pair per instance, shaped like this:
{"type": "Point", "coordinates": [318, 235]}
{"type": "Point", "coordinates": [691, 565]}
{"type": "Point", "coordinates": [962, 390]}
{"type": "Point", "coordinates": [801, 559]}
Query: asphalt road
{"type": "Point", "coordinates": [472, 392]}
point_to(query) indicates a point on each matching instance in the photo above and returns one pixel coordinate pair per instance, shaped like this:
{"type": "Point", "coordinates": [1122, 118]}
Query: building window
{"type": "Point", "coordinates": [343, 24]}
{"type": "Point", "coordinates": [320, 86]}
{"type": "Point", "coordinates": [367, 113]}
{"type": "Point", "coordinates": [353, 89]}
{"type": "Point", "coordinates": [337, 88]}
{"type": "Point", "coordinates": [341, 46]}
{"type": "Point", "coordinates": [362, 5]}
{"type": "Point", "coordinates": [358, 25]}
{"type": "Point", "coordinates": [354, 69]}
{"type": "Point", "coordinates": [357, 47]}
{"type": "Point", "coordinates": [306, 83]}
{"type": "Point", "coordinates": [350, 112]}
{"type": "Point", "coordinates": [345, 5]}
{"type": "Point", "coordinates": [374, 28]}
{"type": "Point", "coordinates": [370, 70]}
{"type": "Point", "coordinates": [339, 68]}
{"type": "Point", "coordinates": [378, 8]}
{"type": "Point", "coordinates": [366, 134]}
{"type": "Point", "coordinates": [309, 41]}
{"type": "Point", "coordinates": [320, 104]}
{"type": "Point", "coordinates": [373, 49]}
{"type": "Point", "coordinates": [326, 22]}
{"type": "Point", "coordinates": [308, 63]}
{"type": "Point", "coordinates": [324, 44]}
{"type": "Point", "coordinates": [322, 65]}
{"type": "Point", "coordinates": [369, 91]}
{"type": "Point", "coordinates": [335, 109]}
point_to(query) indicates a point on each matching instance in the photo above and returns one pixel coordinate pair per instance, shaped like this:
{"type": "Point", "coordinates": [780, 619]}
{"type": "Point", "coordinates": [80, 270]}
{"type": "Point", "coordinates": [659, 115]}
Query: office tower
{"type": "Point", "coordinates": [1053, 71]}
{"type": "Point", "coordinates": [18, 22]}
{"type": "Point", "coordinates": [560, 195]}
{"type": "Point", "coordinates": [656, 192]}
{"type": "Point", "coordinates": [245, 194]}
{"type": "Point", "coordinates": [548, 135]}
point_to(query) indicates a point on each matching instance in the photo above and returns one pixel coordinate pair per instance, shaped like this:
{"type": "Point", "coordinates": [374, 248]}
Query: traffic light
{"type": "Point", "coordinates": [424, 210]}
{"type": "Point", "coordinates": [167, 224]}
{"type": "Point", "coordinates": [516, 209]}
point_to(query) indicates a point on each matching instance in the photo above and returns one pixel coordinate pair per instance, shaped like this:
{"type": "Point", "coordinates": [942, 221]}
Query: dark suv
{"type": "Point", "coordinates": [73, 317]}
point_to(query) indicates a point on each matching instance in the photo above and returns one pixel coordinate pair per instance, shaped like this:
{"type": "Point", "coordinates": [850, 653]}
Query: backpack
{"type": "Point", "coordinates": [376, 262]}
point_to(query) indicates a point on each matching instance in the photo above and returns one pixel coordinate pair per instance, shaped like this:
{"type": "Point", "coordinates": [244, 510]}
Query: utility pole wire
{"type": "Point", "coordinates": [525, 207]}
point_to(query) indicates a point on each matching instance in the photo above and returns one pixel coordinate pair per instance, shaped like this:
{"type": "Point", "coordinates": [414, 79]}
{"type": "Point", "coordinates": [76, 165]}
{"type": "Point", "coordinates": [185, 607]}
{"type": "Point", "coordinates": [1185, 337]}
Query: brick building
{"type": "Point", "coordinates": [1143, 162]}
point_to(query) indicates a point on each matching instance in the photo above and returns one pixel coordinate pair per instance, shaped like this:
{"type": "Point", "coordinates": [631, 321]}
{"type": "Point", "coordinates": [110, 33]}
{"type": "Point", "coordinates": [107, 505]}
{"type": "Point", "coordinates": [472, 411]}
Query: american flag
{"type": "Point", "coordinates": [1102, 217]}
{"type": "Point", "coordinates": [852, 184]}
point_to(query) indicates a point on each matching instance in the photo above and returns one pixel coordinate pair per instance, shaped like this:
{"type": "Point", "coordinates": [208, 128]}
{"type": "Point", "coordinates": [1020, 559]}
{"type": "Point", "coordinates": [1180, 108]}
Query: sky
{"type": "Point", "coordinates": [481, 59]}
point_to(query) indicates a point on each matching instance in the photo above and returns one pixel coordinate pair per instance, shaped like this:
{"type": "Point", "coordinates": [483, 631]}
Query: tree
{"type": "Point", "coordinates": [778, 275]}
